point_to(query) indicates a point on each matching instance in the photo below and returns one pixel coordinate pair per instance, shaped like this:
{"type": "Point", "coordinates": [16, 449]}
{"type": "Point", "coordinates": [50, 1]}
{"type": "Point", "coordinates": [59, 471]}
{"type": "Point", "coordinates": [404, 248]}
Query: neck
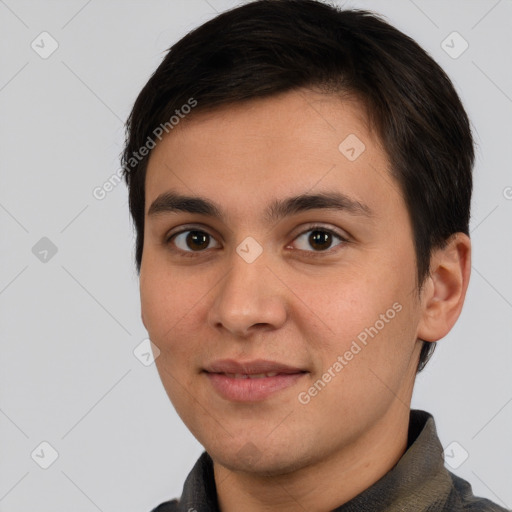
{"type": "Point", "coordinates": [324, 485]}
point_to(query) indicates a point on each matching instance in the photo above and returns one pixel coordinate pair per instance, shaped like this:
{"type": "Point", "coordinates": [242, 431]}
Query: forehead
{"type": "Point", "coordinates": [259, 150]}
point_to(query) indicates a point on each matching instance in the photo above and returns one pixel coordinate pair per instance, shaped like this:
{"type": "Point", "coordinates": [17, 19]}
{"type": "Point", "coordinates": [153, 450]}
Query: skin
{"type": "Point", "coordinates": [280, 454]}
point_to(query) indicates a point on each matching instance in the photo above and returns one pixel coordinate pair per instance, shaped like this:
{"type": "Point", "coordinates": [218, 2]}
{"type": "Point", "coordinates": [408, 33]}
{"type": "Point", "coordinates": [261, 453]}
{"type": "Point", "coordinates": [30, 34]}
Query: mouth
{"type": "Point", "coordinates": [254, 368]}
{"type": "Point", "coordinates": [251, 381]}
{"type": "Point", "coordinates": [254, 375]}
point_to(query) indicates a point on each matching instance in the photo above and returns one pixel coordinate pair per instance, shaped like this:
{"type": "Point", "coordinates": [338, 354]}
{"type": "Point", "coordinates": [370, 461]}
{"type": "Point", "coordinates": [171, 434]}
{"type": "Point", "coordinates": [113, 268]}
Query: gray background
{"type": "Point", "coordinates": [70, 323]}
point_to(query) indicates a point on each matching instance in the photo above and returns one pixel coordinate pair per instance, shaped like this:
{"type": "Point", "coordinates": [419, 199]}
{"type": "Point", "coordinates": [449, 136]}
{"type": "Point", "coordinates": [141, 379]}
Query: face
{"type": "Point", "coordinates": [325, 287]}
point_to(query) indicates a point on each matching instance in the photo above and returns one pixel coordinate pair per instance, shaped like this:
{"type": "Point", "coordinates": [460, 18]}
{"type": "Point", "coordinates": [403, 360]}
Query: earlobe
{"type": "Point", "coordinates": [444, 294]}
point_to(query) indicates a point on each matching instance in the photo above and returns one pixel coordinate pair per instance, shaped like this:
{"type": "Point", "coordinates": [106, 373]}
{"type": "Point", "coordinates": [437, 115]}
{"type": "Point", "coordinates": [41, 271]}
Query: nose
{"type": "Point", "coordinates": [250, 298]}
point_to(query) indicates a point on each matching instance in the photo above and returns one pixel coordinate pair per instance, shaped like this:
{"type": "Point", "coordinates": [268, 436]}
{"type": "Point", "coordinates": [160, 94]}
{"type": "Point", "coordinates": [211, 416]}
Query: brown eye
{"type": "Point", "coordinates": [319, 239]}
{"type": "Point", "coordinates": [192, 240]}
{"type": "Point", "coordinates": [197, 240]}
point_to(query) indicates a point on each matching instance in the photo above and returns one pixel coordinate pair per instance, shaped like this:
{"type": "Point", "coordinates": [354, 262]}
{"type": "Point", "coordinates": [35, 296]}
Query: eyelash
{"type": "Point", "coordinates": [309, 254]}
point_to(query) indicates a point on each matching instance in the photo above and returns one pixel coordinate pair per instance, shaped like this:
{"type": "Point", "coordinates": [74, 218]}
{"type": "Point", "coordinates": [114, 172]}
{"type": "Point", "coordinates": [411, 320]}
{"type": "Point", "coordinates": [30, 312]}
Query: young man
{"type": "Point", "coordinates": [300, 182]}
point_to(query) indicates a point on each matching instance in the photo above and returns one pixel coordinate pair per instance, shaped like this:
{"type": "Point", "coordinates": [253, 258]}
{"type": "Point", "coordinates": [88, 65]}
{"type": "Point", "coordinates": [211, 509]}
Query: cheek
{"type": "Point", "coordinates": [341, 305]}
{"type": "Point", "coordinates": [369, 305]}
{"type": "Point", "coordinates": [174, 307]}
{"type": "Point", "coordinates": [155, 305]}
{"type": "Point", "coordinates": [165, 317]}
{"type": "Point", "coordinates": [163, 299]}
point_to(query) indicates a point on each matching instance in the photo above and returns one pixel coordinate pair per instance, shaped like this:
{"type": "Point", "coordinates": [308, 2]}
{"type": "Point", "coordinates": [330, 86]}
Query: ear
{"type": "Point", "coordinates": [445, 289]}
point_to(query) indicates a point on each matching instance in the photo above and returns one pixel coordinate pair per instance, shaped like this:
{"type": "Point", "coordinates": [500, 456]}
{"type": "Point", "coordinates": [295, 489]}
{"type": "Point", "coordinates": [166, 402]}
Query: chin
{"type": "Point", "coordinates": [263, 462]}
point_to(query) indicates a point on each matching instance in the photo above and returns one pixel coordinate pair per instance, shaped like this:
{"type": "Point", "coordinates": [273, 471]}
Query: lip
{"type": "Point", "coordinates": [245, 389]}
{"type": "Point", "coordinates": [252, 367]}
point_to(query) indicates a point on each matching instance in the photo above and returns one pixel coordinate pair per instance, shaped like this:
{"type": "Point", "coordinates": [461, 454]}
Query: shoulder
{"type": "Point", "coordinates": [168, 506]}
{"type": "Point", "coordinates": [467, 502]}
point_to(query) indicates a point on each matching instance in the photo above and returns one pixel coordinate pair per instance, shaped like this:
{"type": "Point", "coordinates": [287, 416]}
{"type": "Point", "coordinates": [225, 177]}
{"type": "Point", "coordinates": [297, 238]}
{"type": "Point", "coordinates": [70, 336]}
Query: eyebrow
{"type": "Point", "coordinates": [172, 202]}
